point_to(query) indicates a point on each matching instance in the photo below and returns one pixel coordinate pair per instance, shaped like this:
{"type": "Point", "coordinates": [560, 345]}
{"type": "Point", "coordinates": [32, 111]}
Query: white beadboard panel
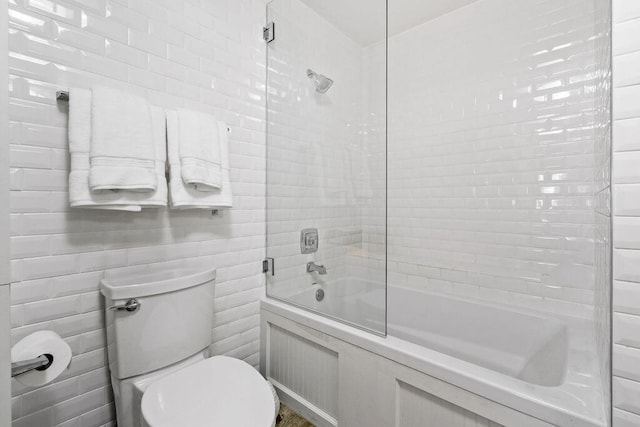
{"type": "Point", "coordinates": [417, 408]}
{"type": "Point", "coordinates": [207, 56]}
{"type": "Point", "coordinates": [626, 213]}
{"type": "Point", "coordinates": [304, 367]}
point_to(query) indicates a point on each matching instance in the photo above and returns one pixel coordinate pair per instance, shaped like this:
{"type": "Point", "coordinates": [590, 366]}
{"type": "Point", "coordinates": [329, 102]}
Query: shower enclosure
{"type": "Point", "coordinates": [455, 150]}
{"type": "Point", "coordinates": [326, 151]}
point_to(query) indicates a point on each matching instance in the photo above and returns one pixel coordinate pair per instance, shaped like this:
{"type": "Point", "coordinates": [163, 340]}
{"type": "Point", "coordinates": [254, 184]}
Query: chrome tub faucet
{"type": "Point", "coordinates": [312, 266]}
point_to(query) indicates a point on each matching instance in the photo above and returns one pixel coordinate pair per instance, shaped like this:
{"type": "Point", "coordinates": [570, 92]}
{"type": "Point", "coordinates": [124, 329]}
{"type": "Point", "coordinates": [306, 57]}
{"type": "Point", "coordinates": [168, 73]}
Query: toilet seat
{"type": "Point", "coordinates": [219, 391]}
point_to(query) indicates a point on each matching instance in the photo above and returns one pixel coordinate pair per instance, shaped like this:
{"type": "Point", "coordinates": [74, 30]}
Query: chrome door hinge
{"type": "Point", "coordinates": [269, 265]}
{"type": "Point", "coordinates": [269, 32]}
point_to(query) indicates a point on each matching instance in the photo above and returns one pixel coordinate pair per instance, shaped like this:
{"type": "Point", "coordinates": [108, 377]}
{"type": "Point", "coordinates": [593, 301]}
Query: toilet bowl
{"type": "Point", "coordinates": [159, 328]}
{"type": "Point", "coordinates": [240, 397]}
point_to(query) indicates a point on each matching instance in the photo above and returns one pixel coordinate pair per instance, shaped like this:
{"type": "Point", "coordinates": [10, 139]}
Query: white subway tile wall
{"type": "Point", "coordinates": [209, 55]}
{"type": "Point", "coordinates": [491, 153]}
{"type": "Point", "coordinates": [499, 139]}
{"type": "Point", "coordinates": [206, 55]}
{"type": "Point", "coordinates": [499, 143]}
{"type": "Point", "coordinates": [626, 213]}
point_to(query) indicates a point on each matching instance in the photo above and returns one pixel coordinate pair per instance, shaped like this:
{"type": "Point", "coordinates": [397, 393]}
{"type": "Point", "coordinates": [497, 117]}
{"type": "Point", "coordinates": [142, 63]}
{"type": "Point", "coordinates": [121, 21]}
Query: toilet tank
{"type": "Point", "coordinates": [173, 320]}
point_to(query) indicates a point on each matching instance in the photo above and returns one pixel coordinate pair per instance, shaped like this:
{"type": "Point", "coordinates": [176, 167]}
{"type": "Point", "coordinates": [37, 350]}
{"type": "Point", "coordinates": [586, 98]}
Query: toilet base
{"type": "Point", "coordinates": [127, 393]}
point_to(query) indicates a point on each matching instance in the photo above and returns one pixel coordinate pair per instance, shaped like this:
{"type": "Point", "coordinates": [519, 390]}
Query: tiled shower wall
{"type": "Point", "coordinates": [491, 153]}
{"type": "Point", "coordinates": [206, 55]}
{"type": "Point", "coordinates": [626, 213]}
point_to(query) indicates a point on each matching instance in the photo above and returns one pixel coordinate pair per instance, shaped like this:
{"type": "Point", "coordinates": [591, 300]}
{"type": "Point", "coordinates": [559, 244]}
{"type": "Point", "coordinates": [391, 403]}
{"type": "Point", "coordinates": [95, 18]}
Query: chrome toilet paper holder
{"type": "Point", "coordinates": [39, 363]}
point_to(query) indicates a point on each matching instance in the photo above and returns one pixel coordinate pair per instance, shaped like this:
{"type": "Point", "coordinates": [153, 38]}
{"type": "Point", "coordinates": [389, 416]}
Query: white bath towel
{"type": "Point", "coordinates": [80, 195]}
{"type": "Point", "coordinates": [199, 148]}
{"type": "Point", "coordinates": [122, 155]}
{"type": "Point", "coordinates": [185, 196]}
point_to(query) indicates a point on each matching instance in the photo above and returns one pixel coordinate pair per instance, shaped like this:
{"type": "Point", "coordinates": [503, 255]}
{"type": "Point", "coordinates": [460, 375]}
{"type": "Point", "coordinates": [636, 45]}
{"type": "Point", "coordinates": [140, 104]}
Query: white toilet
{"type": "Point", "coordinates": [159, 328]}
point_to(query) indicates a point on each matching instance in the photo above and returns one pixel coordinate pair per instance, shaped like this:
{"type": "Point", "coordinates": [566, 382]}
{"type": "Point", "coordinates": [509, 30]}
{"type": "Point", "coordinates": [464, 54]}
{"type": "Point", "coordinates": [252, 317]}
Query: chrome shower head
{"type": "Point", "coordinates": [322, 83]}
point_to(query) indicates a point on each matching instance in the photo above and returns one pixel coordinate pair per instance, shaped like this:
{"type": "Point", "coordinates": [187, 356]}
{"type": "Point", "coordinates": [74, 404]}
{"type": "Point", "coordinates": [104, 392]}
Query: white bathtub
{"type": "Point", "coordinates": [526, 363]}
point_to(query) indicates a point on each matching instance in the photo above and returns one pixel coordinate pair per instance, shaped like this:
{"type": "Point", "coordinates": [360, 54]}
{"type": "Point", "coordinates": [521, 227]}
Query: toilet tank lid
{"type": "Point", "coordinates": [153, 281]}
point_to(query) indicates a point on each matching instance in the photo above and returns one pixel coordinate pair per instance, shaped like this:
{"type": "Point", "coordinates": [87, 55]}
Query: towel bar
{"type": "Point", "coordinates": [63, 95]}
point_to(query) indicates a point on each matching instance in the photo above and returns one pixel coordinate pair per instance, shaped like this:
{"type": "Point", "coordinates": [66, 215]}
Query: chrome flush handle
{"type": "Point", "coordinates": [130, 306]}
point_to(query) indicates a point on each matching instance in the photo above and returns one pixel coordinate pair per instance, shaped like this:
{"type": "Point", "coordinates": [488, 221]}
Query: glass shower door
{"type": "Point", "coordinates": [326, 160]}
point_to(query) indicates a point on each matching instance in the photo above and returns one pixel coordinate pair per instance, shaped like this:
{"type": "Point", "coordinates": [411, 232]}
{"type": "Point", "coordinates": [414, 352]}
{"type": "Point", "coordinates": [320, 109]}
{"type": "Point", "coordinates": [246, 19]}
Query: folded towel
{"type": "Point", "coordinates": [185, 196]}
{"type": "Point", "coordinates": [224, 197]}
{"type": "Point", "coordinates": [80, 195]}
{"type": "Point", "coordinates": [122, 148]}
{"type": "Point", "coordinates": [199, 148]}
{"type": "Point", "coordinates": [159, 196]}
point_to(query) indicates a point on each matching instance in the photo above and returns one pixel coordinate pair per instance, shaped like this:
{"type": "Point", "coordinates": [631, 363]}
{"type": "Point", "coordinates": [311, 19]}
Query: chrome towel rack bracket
{"type": "Point", "coordinates": [62, 95]}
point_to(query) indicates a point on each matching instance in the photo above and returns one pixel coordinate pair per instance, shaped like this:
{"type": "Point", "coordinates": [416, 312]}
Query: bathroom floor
{"type": "Point", "coordinates": [288, 418]}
